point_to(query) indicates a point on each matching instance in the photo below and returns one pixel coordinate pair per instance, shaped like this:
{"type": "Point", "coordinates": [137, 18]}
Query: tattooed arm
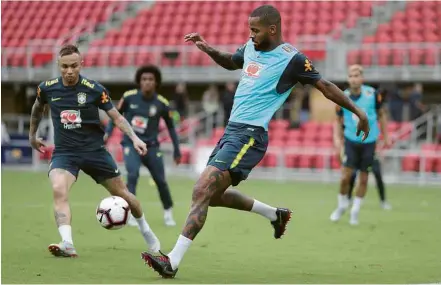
{"type": "Point", "coordinates": [121, 123]}
{"type": "Point", "coordinates": [125, 127]}
{"type": "Point", "coordinates": [36, 116]}
{"type": "Point", "coordinates": [225, 59]}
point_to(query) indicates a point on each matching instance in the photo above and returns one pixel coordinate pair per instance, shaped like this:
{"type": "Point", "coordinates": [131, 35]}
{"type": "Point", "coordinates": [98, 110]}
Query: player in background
{"type": "Point", "coordinates": [271, 68]}
{"type": "Point", "coordinates": [376, 170]}
{"type": "Point", "coordinates": [74, 102]}
{"type": "Point", "coordinates": [358, 154]}
{"type": "Point", "coordinates": [144, 108]}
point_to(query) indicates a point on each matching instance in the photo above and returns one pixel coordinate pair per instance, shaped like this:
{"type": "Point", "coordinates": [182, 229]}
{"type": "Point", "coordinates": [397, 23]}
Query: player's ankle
{"type": "Point", "coordinates": [264, 210]}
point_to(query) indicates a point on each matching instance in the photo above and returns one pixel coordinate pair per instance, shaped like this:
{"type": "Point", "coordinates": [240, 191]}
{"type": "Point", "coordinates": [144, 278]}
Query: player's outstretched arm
{"type": "Point", "coordinates": [224, 59]}
{"type": "Point", "coordinates": [125, 127]}
{"type": "Point", "coordinates": [336, 95]}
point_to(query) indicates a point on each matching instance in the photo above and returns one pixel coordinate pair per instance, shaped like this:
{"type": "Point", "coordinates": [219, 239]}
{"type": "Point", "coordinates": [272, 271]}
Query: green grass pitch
{"type": "Point", "coordinates": [398, 246]}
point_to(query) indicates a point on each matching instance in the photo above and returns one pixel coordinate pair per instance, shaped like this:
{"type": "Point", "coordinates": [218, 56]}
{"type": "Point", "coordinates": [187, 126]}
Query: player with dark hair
{"type": "Point", "coordinates": [357, 155]}
{"type": "Point", "coordinates": [74, 102]}
{"type": "Point", "coordinates": [144, 108]}
{"type": "Point", "coordinates": [271, 68]}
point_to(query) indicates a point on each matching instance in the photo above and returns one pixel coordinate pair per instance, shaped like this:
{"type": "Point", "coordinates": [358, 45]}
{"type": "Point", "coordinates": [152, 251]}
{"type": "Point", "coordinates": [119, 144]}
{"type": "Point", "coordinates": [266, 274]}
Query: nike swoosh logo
{"type": "Point", "coordinates": [217, 160]}
{"type": "Point", "coordinates": [55, 99]}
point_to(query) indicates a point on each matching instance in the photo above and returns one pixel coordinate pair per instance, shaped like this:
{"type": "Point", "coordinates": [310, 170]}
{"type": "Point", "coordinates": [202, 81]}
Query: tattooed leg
{"type": "Point", "coordinates": [62, 181]}
{"type": "Point", "coordinates": [213, 182]}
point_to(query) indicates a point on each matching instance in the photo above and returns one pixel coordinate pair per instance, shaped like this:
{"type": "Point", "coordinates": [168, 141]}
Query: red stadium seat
{"type": "Point", "coordinates": [54, 21]}
{"type": "Point", "coordinates": [410, 163]}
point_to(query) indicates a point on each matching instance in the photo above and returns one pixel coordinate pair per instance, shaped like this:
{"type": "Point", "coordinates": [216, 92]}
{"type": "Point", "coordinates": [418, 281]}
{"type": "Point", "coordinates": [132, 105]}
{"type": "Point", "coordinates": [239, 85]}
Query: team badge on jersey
{"type": "Point", "coordinates": [81, 98]}
{"type": "Point", "coordinates": [153, 110]}
{"type": "Point", "coordinates": [308, 65]}
{"type": "Point", "coordinates": [71, 119]}
{"type": "Point", "coordinates": [253, 69]}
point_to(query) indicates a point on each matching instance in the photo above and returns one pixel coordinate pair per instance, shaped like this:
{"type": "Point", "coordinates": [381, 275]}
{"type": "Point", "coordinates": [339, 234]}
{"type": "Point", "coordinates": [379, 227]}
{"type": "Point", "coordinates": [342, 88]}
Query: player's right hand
{"type": "Point", "coordinates": [363, 126]}
{"type": "Point", "coordinates": [140, 146]}
{"type": "Point", "coordinates": [37, 144]}
{"type": "Point", "coordinates": [198, 40]}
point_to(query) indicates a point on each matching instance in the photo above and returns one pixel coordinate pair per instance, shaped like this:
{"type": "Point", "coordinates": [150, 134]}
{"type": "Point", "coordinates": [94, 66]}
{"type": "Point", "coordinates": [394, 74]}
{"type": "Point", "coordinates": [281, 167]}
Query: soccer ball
{"type": "Point", "coordinates": [113, 213]}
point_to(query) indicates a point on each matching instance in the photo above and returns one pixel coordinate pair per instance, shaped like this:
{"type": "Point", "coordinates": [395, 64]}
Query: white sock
{"type": "Point", "coordinates": [264, 210]}
{"type": "Point", "coordinates": [356, 205]}
{"type": "Point", "coordinates": [66, 233]}
{"type": "Point", "coordinates": [179, 250]}
{"type": "Point", "coordinates": [149, 236]}
{"type": "Point", "coordinates": [168, 213]}
{"type": "Point", "coordinates": [343, 201]}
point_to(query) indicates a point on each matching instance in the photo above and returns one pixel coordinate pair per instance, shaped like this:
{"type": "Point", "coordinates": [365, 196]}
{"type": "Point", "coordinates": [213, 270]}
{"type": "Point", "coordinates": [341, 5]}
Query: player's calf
{"type": "Point", "coordinates": [61, 181]}
{"type": "Point", "coordinates": [358, 200]}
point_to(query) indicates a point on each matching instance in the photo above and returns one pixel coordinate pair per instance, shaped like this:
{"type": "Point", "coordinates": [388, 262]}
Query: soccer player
{"type": "Point", "coordinates": [144, 108]}
{"type": "Point", "coordinates": [358, 155]}
{"type": "Point", "coordinates": [74, 102]}
{"type": "Point", "coordinates": [271, 68]}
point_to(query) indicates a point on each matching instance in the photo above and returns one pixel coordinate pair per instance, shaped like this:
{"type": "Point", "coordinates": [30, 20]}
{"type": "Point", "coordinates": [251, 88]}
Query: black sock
{"type": "Point", "coordinates": [380, 186]}
{"type": "Point", "coordinates": [351, 185]}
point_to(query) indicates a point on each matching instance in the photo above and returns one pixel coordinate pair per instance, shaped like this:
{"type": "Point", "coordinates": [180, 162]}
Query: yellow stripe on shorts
{"type": "Point", "coordinates": [242, 153]}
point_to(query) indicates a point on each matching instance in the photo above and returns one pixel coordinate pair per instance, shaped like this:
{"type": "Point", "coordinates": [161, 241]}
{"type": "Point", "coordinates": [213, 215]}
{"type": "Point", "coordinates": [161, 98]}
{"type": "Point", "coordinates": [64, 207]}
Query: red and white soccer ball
{"type": "Point", "coordinates": [113, 213]}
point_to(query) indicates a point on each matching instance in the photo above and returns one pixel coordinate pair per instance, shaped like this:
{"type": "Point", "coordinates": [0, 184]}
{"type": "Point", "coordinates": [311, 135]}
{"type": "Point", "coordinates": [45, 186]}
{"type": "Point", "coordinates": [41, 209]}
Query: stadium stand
{"type": "Point", "coordinates": [217, 21]}
{"type": "Point", "coordinates": [55, 20]}
{"type": "Point", "coordinates": [420, 22]}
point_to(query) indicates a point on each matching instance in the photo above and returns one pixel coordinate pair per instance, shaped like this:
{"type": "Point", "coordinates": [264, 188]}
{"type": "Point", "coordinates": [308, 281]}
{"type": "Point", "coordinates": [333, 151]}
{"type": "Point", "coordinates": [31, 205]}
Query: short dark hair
{"type": "Point", "coordinates": [68, 50]}
{"type": "Point", "coordinates": [149, 69]}
{"type": "Point", "coordinates": [268, 14]}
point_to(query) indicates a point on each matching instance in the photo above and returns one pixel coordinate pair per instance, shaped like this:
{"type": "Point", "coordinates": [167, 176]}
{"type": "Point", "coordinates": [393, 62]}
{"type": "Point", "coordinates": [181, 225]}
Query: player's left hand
{"type": "Point", "coordinates": [363, 126]}
{"type": "Point", "coordinates": [178, 160]}
{"type": "Point", "coordinates": [140, 146]}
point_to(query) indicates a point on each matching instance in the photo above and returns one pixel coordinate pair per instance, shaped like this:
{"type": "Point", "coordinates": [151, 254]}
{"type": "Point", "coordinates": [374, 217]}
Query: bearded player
{"type": "Point", "coordinates": [74, 102]}
{"type": "Point", "coordinates": [144, 108]}
{"type": "Point", "coordinates": [271, 68]}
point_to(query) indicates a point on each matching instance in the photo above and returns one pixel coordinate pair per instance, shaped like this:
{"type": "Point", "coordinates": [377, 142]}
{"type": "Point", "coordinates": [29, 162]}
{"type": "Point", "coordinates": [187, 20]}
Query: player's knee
{"type": "Point", "coordinates": [215, 201]}
{"type": "Point", "coordinates": [60, 190]}
{"type": "Point", "coordinates": [364, 179]}
{"type": "Point", "coordinates": [200, 193]}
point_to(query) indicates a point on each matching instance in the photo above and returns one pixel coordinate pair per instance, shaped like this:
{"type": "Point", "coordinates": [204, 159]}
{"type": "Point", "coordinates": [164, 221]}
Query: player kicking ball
{"type": "Point", "coordinates": [144, 108]}
{"type": "Point", "coordinates": [271, 68]}
{"type": "Point", "coordinates": [74, 102]}
{"type": "Point", "coordinates": [358, 154]}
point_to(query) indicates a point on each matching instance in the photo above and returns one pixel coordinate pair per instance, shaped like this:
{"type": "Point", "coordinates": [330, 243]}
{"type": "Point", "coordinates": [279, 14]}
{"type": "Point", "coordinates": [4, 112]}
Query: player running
{"type": "Point", "coordinates": [144, 108]}
{"type": "Point", "coordinates": [358, 155]}
{"type": "Point", "coordinates": [271, 68]}
{"type": "Point", "coordinates": [74, 102]}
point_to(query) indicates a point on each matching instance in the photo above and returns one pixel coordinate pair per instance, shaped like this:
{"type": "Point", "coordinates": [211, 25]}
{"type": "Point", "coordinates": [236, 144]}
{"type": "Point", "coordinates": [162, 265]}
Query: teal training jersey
{"type": "Point", "coordinates": [267, 80]}
{"type": "Point", "coordinates": [369, 101]}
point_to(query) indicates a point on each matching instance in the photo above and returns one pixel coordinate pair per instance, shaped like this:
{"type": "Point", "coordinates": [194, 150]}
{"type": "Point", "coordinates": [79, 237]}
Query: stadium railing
{"type": "Point", "coordinates": [331, 58]}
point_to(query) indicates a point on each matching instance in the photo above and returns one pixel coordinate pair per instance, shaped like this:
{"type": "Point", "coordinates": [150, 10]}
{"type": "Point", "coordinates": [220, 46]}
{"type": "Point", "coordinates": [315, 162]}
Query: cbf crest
{"type": "Point", "coordinates": [81, 98]}
{"type": "Point", "coordinates": [153, 110]}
